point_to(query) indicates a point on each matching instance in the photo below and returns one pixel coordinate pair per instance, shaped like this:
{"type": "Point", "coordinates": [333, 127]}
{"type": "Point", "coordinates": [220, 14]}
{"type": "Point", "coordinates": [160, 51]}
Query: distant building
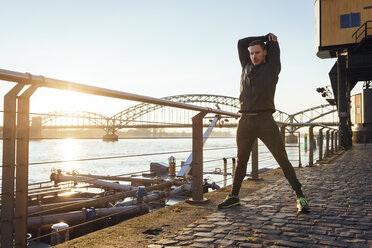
{"type": "Point", "coordinates": [344, 31]}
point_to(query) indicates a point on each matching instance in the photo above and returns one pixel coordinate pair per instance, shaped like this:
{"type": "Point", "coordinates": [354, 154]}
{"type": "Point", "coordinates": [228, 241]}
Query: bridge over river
{"type": "Point", "coordinates": [147, 115]}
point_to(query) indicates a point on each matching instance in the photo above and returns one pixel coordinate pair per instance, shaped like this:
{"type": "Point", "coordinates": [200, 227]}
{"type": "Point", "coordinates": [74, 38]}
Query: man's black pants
{"type": "Point", "coordinates": [261, 126]}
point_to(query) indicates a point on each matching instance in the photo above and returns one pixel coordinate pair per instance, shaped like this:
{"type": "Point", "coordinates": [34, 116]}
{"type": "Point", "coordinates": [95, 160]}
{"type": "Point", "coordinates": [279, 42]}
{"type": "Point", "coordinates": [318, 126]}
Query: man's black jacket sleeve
{"type": "Point", "coordinates": [243, 48]}
{"type": "Point", "coordinates": [273, 55]}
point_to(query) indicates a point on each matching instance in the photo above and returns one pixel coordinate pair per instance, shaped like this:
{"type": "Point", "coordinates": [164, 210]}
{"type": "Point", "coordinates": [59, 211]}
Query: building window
{"type": "Point", "coordinates": [350, 20]}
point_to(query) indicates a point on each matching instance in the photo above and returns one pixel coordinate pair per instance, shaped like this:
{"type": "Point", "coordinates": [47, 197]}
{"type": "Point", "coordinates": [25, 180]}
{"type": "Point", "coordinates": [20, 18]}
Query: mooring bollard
{"type": "Point", "coordinates": [254, 173]}
{"type": "Point", "coordinates": [233, 167]}
{"type": "Point", "coordinates": [224, 167]}
{"type": "Point", "coordinates": [311, 146]}
{"type": "Point", "coordinates": [60, 233]}
{"type": "Point", "coordinates": [172, 165]}
{"type": "Point", "coordinates": [327, 144]}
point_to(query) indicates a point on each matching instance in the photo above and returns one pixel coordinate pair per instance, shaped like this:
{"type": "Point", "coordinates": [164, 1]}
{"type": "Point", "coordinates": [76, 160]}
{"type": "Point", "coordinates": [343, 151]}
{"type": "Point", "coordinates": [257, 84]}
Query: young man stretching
{"type": "Point", "coordinates": [261, 67]}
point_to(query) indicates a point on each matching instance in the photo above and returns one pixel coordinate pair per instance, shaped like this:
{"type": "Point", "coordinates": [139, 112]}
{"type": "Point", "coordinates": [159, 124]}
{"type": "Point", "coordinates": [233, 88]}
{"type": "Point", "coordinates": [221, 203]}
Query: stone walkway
{"type": "Point", "coordinates": [340, 196]}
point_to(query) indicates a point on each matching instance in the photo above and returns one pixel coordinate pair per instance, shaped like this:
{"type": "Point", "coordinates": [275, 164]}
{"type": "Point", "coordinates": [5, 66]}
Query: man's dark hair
{"type": "Point", "coordinates": [258, 42]}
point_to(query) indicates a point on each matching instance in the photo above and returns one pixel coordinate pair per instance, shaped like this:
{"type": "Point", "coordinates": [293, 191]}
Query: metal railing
{"type": "Point", "coordinates": [362, 30]}
{"type": "Point", "coordinates": [16, 127]}
{"type": "Point", "coordinates": [16, 145]}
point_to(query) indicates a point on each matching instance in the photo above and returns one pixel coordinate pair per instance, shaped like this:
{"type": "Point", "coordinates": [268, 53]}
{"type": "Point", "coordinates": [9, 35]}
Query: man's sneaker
{"type": "Point", "coordinates": [229, 202]}
{"type": "Point", "coordinates": [303, 205]}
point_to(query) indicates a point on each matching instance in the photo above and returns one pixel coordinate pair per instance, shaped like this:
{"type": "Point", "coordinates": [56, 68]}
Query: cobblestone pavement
{"type": "Point", "coordinates": [340, 196]}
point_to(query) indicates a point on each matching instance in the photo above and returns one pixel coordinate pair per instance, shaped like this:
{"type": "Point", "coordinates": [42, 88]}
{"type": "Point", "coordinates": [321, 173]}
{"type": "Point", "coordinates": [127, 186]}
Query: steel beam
{"type": "Point", "coordinates": [23, 125]}
{"type": "Point", "coordinates": [8, 170]}
{"type": "Point", "coordinates": [343, 101]}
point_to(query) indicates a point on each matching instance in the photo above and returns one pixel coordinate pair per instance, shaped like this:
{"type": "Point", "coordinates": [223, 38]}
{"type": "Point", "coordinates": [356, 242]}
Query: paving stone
{"type": "Point", "coordinates": [201, 245]}
{"type": "Point", "coordinates": [288, 243]}
{"type": "Point", "coordinates": [183, 238]}
{"type": "Point", "coordinates": [236, 237]}
{"type": "Point", "coordinates": [204, 234]}
{"type": "Point", "coordinates": [250, 245]}
{"type": "Point", "coordinates": [224, 242]}
{"type": "Point", "coordinates": [205, 240]}
{"type": "Point", "coordinates": [222, 230]}
{"type": "Point", "coordinates": [333, 243]}
{"type": "Point", "coordinates": [167, 242]}
{"type": "Point", "coordinates": [202, 229]}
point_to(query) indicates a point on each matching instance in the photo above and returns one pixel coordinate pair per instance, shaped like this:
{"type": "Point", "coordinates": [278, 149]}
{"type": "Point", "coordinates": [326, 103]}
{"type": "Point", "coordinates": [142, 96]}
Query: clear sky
{"type": "Point", "coordinates": [156, 48]}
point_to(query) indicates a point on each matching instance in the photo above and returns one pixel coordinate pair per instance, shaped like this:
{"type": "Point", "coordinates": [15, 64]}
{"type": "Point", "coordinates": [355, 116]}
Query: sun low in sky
{"type": "Point", "coordinates": [156, 48]}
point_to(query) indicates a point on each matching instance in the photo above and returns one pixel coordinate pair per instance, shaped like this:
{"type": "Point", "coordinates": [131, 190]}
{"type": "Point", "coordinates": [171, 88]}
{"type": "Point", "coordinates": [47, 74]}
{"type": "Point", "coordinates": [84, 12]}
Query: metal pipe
{"type": "Point", "coordinates": [61, 177]}
{"type": "Point", "coordinates": [8, 170]}
{"type": "Point", "coordinates": [103, 201]}
{"type": "Point", "coordinates": [41, 81]}
{"type": "Point", "coordinates": [80, 216]}
{"type": "Point", "coordinates": [129, 179]}
{"type": "Point", "coordinates": [155, 196]}
{"type": "Point", "coordinates": [23, 123]}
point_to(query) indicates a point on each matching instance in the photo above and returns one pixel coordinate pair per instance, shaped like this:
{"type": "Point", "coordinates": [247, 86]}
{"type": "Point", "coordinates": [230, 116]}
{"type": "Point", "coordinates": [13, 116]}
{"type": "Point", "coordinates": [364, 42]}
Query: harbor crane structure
{"type": "Point", "coordinates": [344, 31]}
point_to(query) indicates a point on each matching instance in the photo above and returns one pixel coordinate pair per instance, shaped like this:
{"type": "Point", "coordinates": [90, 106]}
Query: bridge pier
{"type": "Point", "coordinates": [110, 137]}
{"type": "Point", "coordinates": [291, 138]}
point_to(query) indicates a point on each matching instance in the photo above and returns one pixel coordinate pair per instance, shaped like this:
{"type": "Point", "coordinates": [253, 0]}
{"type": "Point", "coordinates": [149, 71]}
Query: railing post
{"type": "Point", "coordinates": [254, 173]}
{"type": "Point", "coordinates": [332, 142]}
{"type": "Point", "coordinates": [8, 170]}
{"type": "Point", "coordinates": [336, 148]}
{"type": "Point", "coordinates": [197, 158]}
{"type": "Point", "coordinates": [327, 144]}
{"type": "Point", "coordinates": [299, 150]}
{"type": "Point", "coordinates": [224, 167]}
{"type": "Point", "coordinates": [320, 144]}
{"type": "Point", "coordinates": [311, 146]}
{"type": "Point", "coordinates": [233, 167]}
{"type": "Point", "coordinates": [23, 125]}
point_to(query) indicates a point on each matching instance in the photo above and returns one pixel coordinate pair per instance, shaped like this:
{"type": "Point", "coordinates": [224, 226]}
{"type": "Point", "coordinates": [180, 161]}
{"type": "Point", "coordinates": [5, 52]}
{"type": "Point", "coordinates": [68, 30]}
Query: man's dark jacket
{"type": "Point", "coordinates": [258, 83]}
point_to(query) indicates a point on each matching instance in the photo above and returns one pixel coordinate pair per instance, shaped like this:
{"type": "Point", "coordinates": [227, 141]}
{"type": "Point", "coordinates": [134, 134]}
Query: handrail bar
{"type": "Point", "coordinates": [365, 26]}
{"type": "Point", "coordinates": [41, 81]}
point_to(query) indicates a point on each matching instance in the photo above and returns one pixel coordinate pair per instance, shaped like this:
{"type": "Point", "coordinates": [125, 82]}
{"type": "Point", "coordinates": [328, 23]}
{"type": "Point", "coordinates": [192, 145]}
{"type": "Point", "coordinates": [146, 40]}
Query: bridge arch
{"type": "Point", "coordinates": [131, 116]}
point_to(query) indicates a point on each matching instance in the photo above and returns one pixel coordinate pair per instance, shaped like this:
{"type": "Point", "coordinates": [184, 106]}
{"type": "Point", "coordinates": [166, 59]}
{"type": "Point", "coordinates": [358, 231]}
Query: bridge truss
{"type": "Point", "coordinates": [146, 115]}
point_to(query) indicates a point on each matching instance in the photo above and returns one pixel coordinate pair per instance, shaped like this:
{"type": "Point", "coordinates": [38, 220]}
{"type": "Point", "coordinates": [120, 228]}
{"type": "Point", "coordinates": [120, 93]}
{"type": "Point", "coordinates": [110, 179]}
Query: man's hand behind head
{"type": "Point", "coordinates": [272, 37]}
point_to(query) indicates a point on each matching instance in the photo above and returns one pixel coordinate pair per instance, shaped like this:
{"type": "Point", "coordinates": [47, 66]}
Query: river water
{"type": "Point", "coordinates": [43, 155]}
